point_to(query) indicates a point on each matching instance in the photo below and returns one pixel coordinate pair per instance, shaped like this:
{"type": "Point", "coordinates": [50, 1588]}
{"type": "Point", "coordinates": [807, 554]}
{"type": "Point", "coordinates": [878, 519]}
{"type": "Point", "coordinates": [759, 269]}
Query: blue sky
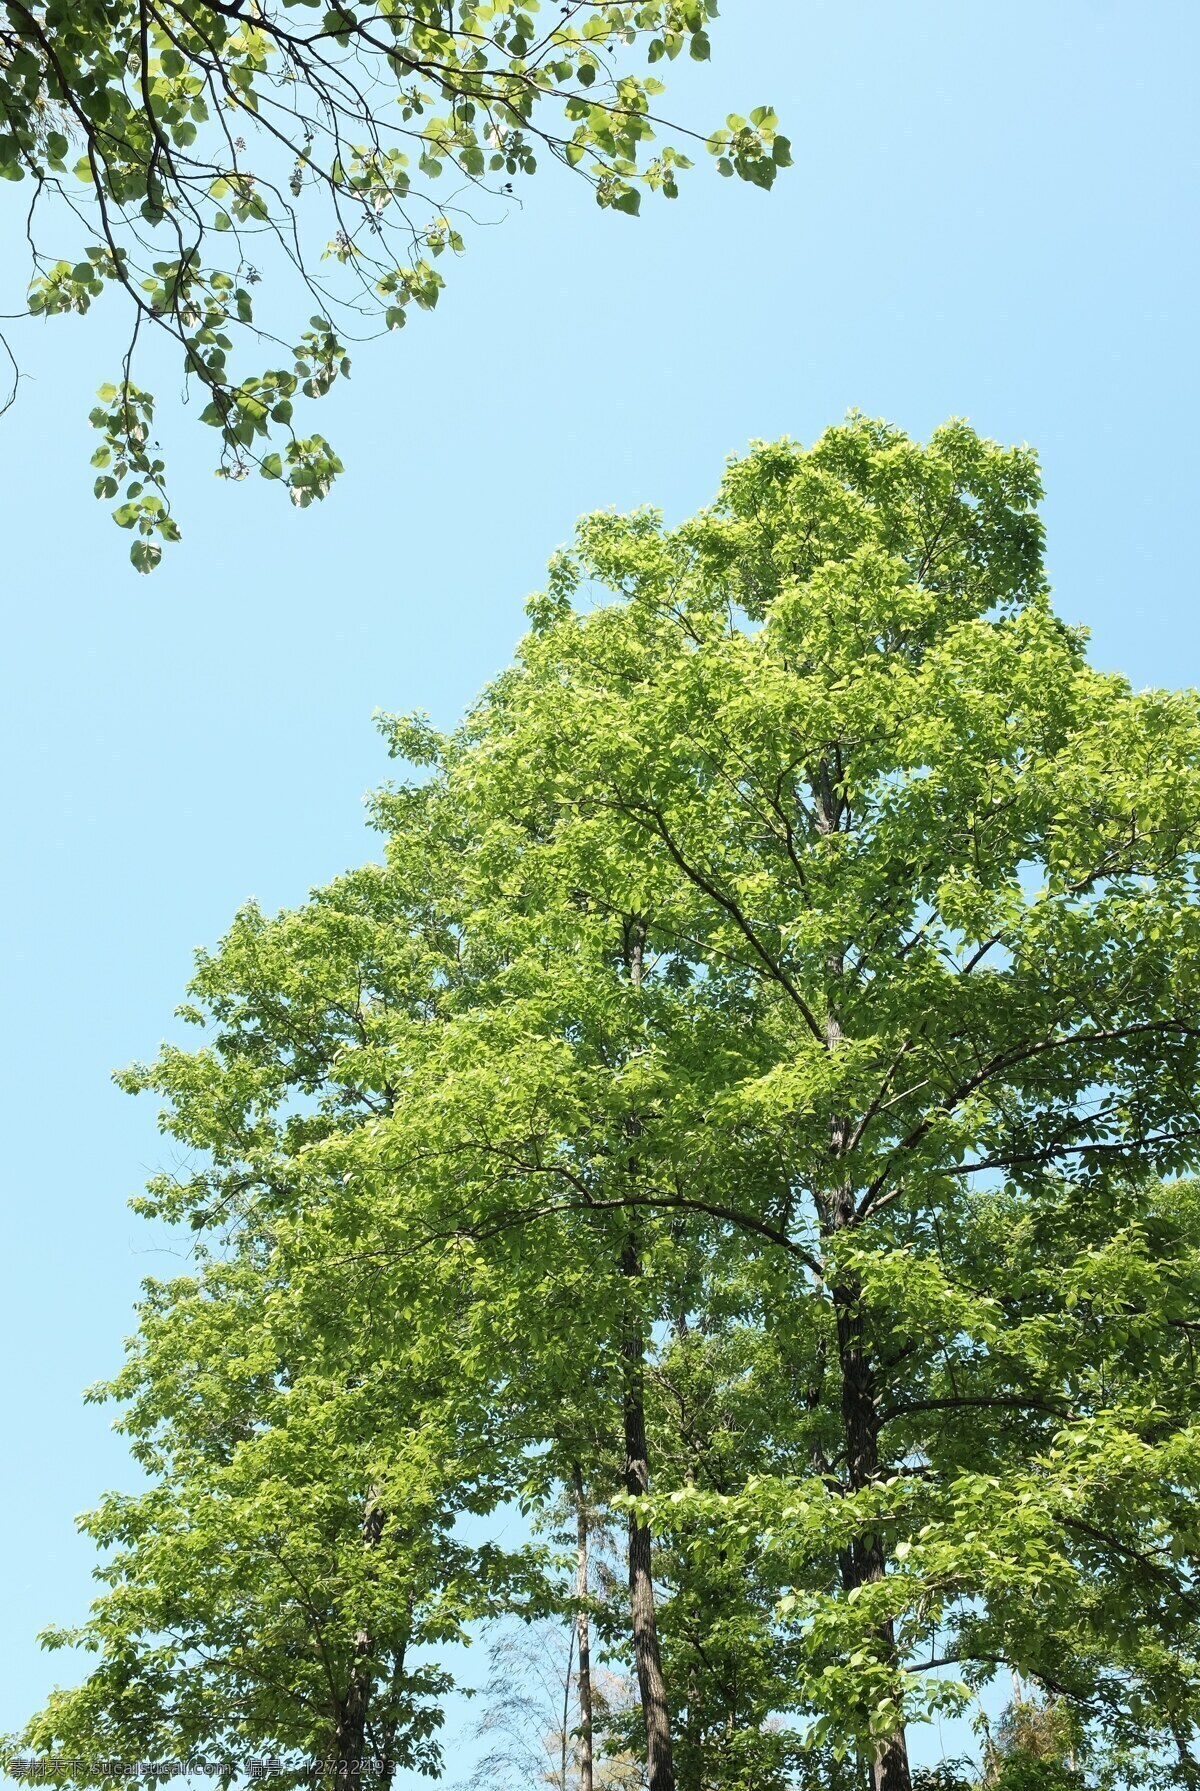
{"type": "Point", "coordinates": [992, 214]}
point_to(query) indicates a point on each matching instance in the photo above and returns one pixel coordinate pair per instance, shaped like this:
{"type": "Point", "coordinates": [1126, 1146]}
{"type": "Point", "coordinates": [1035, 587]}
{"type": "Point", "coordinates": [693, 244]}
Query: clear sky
{"type": "Point", "coordinates": [992, 214]}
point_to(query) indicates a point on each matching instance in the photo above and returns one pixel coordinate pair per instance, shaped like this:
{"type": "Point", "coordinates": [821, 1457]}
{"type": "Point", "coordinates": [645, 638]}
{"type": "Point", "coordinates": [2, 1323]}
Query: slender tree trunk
{"type": "Point", "coordinates": [565, 1740]}
{"type": "Point", "coordinates": [351, 1736]}
{"type": "Point", "coordinates": [660, 1769]}
{"type": "Point", "coordinates": [352, 1722]}
{"type": "Point", "coordinates": [863, 1563]}
{"type": "Point", "coordinates": [387, 1761]}
{"type": "Point", "coordinates": [584, 1637]}
{"type": "Point", "coordinates": [647, 1656]}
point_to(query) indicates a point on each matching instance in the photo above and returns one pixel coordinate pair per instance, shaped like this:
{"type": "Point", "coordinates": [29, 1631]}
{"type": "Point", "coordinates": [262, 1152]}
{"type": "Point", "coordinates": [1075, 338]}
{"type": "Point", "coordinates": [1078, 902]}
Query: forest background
{"type": "Point", "coordinates": [991, 214]}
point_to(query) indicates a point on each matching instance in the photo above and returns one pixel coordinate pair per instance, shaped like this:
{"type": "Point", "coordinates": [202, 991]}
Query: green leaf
{"type": "Point", "coordinates": [145, 555]}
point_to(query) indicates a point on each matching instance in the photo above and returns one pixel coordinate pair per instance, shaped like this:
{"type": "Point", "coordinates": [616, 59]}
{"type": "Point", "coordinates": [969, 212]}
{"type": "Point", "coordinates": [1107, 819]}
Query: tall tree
{"type": "Point", "coordinates": [204, 157]}
{"type": "Point", "coordinates": [832, 742]}
{"type": "Point", "coordinates": [751, 1088]}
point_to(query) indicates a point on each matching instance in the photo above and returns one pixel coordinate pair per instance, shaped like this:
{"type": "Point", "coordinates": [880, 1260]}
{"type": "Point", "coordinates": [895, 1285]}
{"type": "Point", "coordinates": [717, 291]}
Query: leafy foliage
{"type": "Point", "coordinates": [196, 148]}
{"type": "Point", "coordinates": [758, 1087]}
{"type": "Point", "coordinates": [279, 1587]}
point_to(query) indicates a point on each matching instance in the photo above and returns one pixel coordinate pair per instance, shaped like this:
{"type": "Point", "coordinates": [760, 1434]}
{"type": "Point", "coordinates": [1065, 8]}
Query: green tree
{"type": "Point", "coordinates": [756, 1088]}
{"type": "Point", "coordinates": [196, 148]}
{"type": "Point", "coordinates": [927, 880]}
{"type": "Point", "coordinates": [279, 1587]}
{"type": "Point", "coordinates": [287, 1581]}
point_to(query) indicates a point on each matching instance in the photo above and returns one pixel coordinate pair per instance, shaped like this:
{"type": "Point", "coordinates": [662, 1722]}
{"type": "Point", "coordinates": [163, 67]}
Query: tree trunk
{"type": "Point", "coordinates": [863, 1563]}
{"type": "Point", "coordinates": [351, 1735]}
{"type": "Point", "coordinates": [387, 1757]}
{"type": "Point", "coordinates": [660, 1770]}
{"type": "Point", "coordinates": [584, 1638]}
{"type": "Point", "coordinates": [352, 1719]}
{"type": "Point", "coordinates": [565, 1738]}
{"type": "Point", "coordinates": [647, 1656]}
{"type": "Point", "coordinates": [889, 1771]}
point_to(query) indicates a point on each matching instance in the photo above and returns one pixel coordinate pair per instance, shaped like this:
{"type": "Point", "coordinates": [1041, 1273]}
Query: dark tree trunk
{"type": "Point", "coordinates": [352, 1723]}
{"type": "Point", "coordinates": [863, 1563]}
{"type": "Point", "coordinates": [351, 1736]}
{"type": "Point", "coordinates": [584, 1637]}
{"type": "Point", "coordinates": [387, 1756]}
{"type": "Point", "coordinates": [660, 1770]}
{"type": "Point", "coordinates": [647, 1656]}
